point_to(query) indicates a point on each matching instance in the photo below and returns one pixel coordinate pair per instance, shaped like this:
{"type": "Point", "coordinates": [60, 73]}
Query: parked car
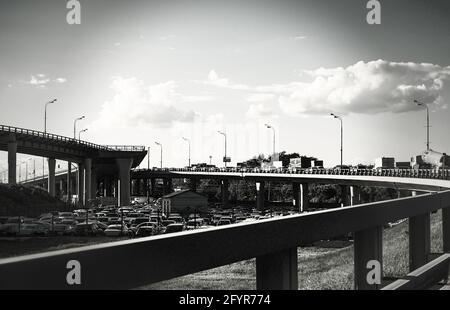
{"type": "Point", "coordinates": [89, 229]}
{"type": "Point", "coordinates": [117, 230]}
{"type": "Point", "coordinates": [145, 231]}
{"type": "Point", "coordinates": [172, 228]}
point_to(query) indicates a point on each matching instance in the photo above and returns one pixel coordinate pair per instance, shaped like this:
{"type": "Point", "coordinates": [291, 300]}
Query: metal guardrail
{"type": "Point", "coordinates": [40, 134]}
{"type": "Point", "coordinates": [274, 242]}
{"type": "Point", "coordinates": [443, 174]}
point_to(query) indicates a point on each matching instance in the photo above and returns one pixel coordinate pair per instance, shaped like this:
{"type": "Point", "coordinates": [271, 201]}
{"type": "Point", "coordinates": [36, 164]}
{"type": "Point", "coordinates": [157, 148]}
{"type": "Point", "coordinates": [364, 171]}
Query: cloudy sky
{"type": "Point", "coordinates": [146, 71]}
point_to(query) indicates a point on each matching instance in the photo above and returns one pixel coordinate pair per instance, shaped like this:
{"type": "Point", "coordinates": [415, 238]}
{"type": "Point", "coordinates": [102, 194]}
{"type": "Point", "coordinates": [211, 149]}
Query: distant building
{"type": "Point", "coordinates": [183, 201]}
{"type": "Point", "coordinates": [385, 163]}
{"type": "Point", "coordinates": [403, 165]}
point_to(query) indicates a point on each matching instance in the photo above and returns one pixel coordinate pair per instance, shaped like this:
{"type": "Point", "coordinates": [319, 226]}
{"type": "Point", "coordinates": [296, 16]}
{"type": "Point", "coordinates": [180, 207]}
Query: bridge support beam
{"type": "Point", "coordinates": [225, 193]}
{"type": "Point", "coordinates": [368, 247]}
{"type": "Point", "coordinates": [88, 180]}
{"type": "Point", "coordinates": [124, 165]}
{"type": "Point", "coordinates": [345, 195]}
{"type": "Point", "coordinates": [193, 184]}
{"type": "Point", "coordinates": [80, 185]}
{"type": "Point", "coordinates": [152, 190]}
{"type": "Point", "coordinates": [51, 177]}
{"type": "Point", "coordinates": [355, 195]}
{"type": "Point", "coordinates": [12, 161]}
{"type": "Point", "coordinates": [446, 229]}
{"type": "Point", "coordinates": [419, 240]}
{"type": "Point", "coordinates": [69, 182]}
{"type": "Point", "coordinates": [277, 271]}
{"type": "Point", "coordinates": [260, 195]}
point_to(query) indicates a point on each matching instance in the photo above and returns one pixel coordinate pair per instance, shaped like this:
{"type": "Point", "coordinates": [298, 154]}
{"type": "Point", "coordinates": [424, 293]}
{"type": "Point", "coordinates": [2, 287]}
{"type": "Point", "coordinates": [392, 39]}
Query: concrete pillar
{"type": "Point", "coordinates": [12, 161]}
{"type": "Point", "coordinates": [260, 195]}
{"type": "Point", "coordinates": [80, 185]}
{"type": "Point", "coordinates": [94, 184]}
{"type": "Point", "coordinates": [87, 180]}
{"type": "Point", "coordinates": [51, 177]}
{"type": "Point", "coordinates": [225, 193]}
{"type": "Point", "coordinates": [304, 198]}
{"type": "Point", "coordinates": [277, 271]}
{"type": "Point", "coordinates": [124, 165]}
{"type": "Point", "coordinates": [193, 184]}
{"type": "Point", "coordinates": [446, 229]}
{"type": "Point", "coordinates": [153, 184]}
{"type": "Point", "coordinates": [368, 247]}
{"type": "Point", "coordinates": [419, 240]}
{"type": "Point", "coordinates": [345, 195]}
{"type": "Point", "coordinates": [355, 195]}
{"type": "Point", "coordinates": [69, 182]}
{"type": "Point", "coordinates": [296, 196]}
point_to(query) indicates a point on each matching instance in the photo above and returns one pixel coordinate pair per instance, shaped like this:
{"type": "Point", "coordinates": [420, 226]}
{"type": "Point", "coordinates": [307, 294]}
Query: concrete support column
{"type": "Point", "coordinates": [69, 182]}
{"type": "Point", "coordinates": [304, 196]}
{"type": "Point", "coordinates": [225, 192]}
{"type": "Point", "coordinates": [124, 165]}
{"type": "Point", "coordinates": [368, 247]}
{"type": "Point", "coordinates": [153, 183]}
{"type": "Point", "coordinates": [419, 240]}
{"type": "Point", "coordinates": [355, 195]}
{"type": "Point", "coordinates": [446, 229]}
{"type": "Point", "coordinates": [296, 196]}
{"type": "Point", "coordinates": [12, 161]}
{"type": "Point", "coordinates": [94, 184]}
{"type": "Point", "coordinates": [80, 185]}
{"type": "Point", "coordinates": [88, 180]}
{"type": "Point", "coordinates": [260, 195]}
{"type": "Point", "coordinates": [51, 177]}
{"type": "Point", "coordinates": [193, 184]}
{"type": "Point", "coordinates": [345, 195]}
{"type": "Point", "coordinates": [277, 271]}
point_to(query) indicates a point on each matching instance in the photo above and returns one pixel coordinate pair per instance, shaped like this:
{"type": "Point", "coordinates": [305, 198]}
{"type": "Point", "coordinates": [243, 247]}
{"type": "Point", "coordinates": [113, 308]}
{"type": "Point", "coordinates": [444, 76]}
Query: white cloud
{"type": "Point", "coordinates": [260, 97]}
{"type": "Point", "coordinates": [370, 88]}
{"type": "Point", "coordinates": [260, 110]}
{"type": "Point", "coordinates": [137, 104]}
{"type": "Point", "coordinates": [365, 87]}
{"type": "Point", "coordinates": [42, 80]}
{"type": "Point", "coordinates": [299, 38]}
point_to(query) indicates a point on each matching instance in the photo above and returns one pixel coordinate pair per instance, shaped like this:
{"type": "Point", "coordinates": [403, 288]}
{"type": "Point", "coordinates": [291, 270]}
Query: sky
{"type": "Point", "coordinates": [146, 71]}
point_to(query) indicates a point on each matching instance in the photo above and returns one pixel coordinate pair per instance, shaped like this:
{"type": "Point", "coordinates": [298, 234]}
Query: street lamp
{"type": "Point", "coordinates": [189, 143]}
{"type": "Point", "coordinates": [225, 157]}
{"type": "Point", "coordinates": [45, 114]}
{"type": "Point", "coordinates": [342, 133]}
{"type": "Point", "coordinates": [160, 145]}
{"type": "Point", "coordinates": [421, 104]}
{"type": "Point", "coordinates": [81, 131]}
{"type": "Point", "coordinates": [273, 129]}
{"type": "Point", "coordinates": [75, 126]}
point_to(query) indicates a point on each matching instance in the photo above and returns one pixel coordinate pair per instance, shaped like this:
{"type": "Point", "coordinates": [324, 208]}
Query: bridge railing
{"type": "Point", "coordinates": [273, 242]}
{"type": "Point", "coordinates": [40, 134]}
{"type": "Point", "coordinates": [401, 173]}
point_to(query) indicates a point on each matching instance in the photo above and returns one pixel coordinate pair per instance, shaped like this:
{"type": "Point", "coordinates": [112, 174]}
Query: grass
{"type": "Point", "coordinates": [318, 268]}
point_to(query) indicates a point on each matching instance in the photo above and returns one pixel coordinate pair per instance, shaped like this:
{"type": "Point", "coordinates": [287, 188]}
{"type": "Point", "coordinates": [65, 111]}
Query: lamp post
{"type": "Point", "coordinates": [45, 131]}
{"type": "Point", "coordinates": [342, 133]}
{"type": "Point", "coordinates": [273, 130]}
{"type": "Point", "coordinates": [81, 131]}
{"type": "Point", "coordinates": [421, 104]}
{"type": "Point", "coordinates": [75, 126]}
{"type": "Point", "coordinates": [189, 144]}
{"type": "Point", "coordinates": [225, 157]}
{"type": "Point", "coordinates": [160, 145]}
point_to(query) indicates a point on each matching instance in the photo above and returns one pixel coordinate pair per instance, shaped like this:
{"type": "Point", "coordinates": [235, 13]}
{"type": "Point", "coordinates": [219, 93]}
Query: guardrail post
{"type": "Point", "coordinates": [368, 258]}
{"type": "Point", "coordinates": [419, 240]}
{"type": "Point", "coordinates": [446, 229]}
{"type": "Point", "coordinates": [277, 271]}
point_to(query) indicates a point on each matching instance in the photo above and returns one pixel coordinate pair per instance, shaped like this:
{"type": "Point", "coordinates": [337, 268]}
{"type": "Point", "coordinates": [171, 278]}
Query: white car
{"type": "Point", "coordinates": [116, 230]}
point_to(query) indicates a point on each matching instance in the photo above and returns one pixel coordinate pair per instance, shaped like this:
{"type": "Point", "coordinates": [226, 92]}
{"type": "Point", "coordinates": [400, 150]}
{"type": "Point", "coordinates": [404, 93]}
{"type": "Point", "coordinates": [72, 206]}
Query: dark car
{"type": "Point", "coordinates": [144, 231]}
{"type": "Point", "coordinates": [172, 228]}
